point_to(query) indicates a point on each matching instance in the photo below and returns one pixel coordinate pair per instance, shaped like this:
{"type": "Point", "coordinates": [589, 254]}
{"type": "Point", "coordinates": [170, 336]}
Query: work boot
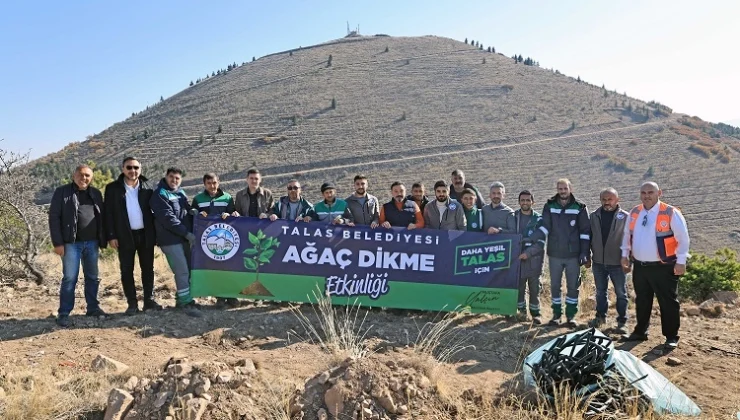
{"type": "Point", "coordinates": [572, 323]}
{"type": "Point", "coordinates": [190, 309]}
{"type": "Point", "coordinates": [597, 322]}
{"type": "Point", "coordinates": [133, 309]}
{"type": "Point", "coordinates": [63, 321]}
{"type": "Point", "coordinates": [554, 322]}
{"type": "Point", "coordinates": [152, 305]}
{"type": "Point", "coordinates": [537, 320]}
{"type": "Point", "coordinates": [97, 312]}
{"type": "Point", "coordinates": [621, 328]}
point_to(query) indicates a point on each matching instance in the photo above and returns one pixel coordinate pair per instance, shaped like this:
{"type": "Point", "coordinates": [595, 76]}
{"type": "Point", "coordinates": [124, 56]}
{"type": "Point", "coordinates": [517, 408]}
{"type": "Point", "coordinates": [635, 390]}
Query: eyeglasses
{"type": "Point", "coordinates": [644, 220]}
{"type": "Point", "coordinates": [294, 188]}
{"type": "Point", "coordinates": [130, 167]}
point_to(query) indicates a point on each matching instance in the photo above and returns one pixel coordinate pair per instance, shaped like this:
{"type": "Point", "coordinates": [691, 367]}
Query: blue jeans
{"type": "Point", "coordinates": [87, 253]}
{"type": "Point", "coordinates": [602, 274]}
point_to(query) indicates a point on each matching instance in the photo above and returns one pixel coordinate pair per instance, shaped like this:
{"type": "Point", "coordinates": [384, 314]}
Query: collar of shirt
{"type": "Point", "coordinates": [129, 188]}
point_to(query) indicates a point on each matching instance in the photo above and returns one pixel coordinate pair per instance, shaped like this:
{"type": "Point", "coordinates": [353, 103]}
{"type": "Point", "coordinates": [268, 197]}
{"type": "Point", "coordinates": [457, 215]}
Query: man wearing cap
{"type": "Point", "coordinates": [330, 209]}
{"type": "Point", "coordinates": [292, 206]}
{"type": "Point", "coordinates": [656, 243]}
{"type": "Point", "coordinates": [444, 213]}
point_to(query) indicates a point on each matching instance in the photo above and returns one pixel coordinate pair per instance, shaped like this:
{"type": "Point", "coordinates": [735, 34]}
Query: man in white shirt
{"type": "Point", "coordinates": [130, 230]}
{"type": "Point", "coordinates": [656, 242]}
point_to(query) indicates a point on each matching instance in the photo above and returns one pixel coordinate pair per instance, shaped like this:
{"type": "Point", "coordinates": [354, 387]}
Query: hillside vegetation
{"type": "Point", "coordinates": [414, 109]}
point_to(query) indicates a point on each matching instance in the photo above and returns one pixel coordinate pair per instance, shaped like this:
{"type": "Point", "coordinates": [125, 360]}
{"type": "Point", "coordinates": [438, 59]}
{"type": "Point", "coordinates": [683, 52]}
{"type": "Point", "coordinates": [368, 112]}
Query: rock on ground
{"type": "Point", "coordinates": [119, 402]}
{"type": "Point", "coordinates": [105, 363]}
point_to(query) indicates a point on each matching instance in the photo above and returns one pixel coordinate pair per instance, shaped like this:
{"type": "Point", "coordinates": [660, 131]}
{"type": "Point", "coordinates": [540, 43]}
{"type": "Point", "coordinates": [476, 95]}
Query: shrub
{"type": "Point", "coordinates": [705, 275]}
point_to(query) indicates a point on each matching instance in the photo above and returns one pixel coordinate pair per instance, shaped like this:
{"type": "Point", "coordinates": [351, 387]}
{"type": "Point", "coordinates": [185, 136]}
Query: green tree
{"type": "Point", "coordinates": [333, 103]}
{"type": "Point", "coordinates": [466, 40]}
{"type": "Point", "coordinates": [705, 275]}
{"type": "Point", "coordinates": [191, 83]}
{"type": "Point", "coordinates": [219, 130]}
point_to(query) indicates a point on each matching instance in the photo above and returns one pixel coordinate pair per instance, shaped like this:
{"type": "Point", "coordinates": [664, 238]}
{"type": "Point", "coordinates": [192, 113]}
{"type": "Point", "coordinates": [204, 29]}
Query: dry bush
{"type": "Point", "coordinates": [601, 155]}
{"type": "Point", "coordinates": [701, 150]}
{"type": "Point", "coordinates": [23, 228]}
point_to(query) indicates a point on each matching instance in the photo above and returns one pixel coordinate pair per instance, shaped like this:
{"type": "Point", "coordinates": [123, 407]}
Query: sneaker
{"type": "Point", "coordinates": [537, 320]}
{"type": "Point", "coordinates": [621, 328]}
{"type": "Point", "coordinates": [671, 343]}
{"type": "Point", "coordinates": [554, 322]}
{"type": "Point", "coordinates": [63, 321]}
{"type": "Point", "coordinates": [152, 305]}
{"type": "Point", "coordinates": [190, 309]}
{"type": "Point", "coordinates": [572, 323]}
{"type": "Point", "coordinates": [635, 337]}
{"type": "Point", "coordinates": [597, 322]}
{"type": "Point", "coordinates": [132, 309]}
{"type": "Point", "coordinates": [97, 312]}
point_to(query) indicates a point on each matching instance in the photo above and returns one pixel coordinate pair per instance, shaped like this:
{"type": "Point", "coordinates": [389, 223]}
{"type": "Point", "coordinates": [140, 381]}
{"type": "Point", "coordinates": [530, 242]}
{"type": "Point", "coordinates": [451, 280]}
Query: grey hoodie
{"type": "Point", "coordinates": [501, 216]}
{"type": "Point", "coordinates": [453, 218]}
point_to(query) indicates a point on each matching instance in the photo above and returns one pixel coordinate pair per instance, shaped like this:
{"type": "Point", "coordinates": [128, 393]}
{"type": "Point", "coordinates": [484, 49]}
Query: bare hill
{"type": "Point", "coordinates": [416, 108]}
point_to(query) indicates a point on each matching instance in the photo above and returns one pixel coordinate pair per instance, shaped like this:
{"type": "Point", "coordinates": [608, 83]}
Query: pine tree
{"type": "Point", "coordinates": [579, 79]}
{"type": "Point", "coordinates": [219, 130]}
{"type": "Point", "coordinates": [493, 49]}
{"type": "Point", "coordinates": [333, 103]}
{"type": "Point", "coordinates": [489, 49]}
{"type": "Point", "coordinates": [466, 41]}
{"type": "Point", "coordinates": [254, 59]}
{"type": "Point", "coordinates": [386, 49]}
{"type": "Point", "coordinates": [191, 83]}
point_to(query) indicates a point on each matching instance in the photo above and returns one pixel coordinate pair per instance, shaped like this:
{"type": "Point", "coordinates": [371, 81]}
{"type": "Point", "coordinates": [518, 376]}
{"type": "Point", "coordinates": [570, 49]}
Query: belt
{"type": "Point", "coordinates": [648, 263]}
{"type": "Point", "coordinates": [138, 231]}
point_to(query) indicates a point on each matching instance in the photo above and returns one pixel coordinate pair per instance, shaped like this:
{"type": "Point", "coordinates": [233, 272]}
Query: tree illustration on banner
{"type": "Point", "coordinates": [260, 254]}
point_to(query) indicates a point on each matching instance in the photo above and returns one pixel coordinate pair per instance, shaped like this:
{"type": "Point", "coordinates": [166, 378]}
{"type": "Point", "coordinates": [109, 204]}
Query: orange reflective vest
{"type": "Point", "coordinates": [667, 243]}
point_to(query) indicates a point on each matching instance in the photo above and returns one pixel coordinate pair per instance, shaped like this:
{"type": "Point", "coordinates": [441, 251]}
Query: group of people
{"type": "Point", "coordinates": [651, 239]}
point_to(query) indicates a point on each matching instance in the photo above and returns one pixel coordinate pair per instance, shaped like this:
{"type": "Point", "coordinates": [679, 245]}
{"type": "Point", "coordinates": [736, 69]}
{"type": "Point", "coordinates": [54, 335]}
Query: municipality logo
{"type": "Point", "coordinates": [220, 242]}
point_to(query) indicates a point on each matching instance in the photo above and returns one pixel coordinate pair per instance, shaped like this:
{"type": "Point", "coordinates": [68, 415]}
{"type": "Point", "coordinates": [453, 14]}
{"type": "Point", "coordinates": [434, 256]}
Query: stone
{"type": "Point", "coordinates": [367, 413]}
{"type": "Point", "coordinates": [322, 414]}
{"type": "Point", "coordinates": [726, 297]}
{"type": "Point", "coordinates": [712, 308]}
{"type": "Point", "coordinates": [224, 377]}
{"type": "Point", "coordinates": [2, 392]}
{"type": "Point", "coordinates": [180, 369]}
{"type": "Point", "coordinates": [247, 366]}
{"type": "Point", "coordinates": [673, 361]}
{"type": "Point", "coordinates": [161, 400]}
{"type": "Point", "coordinates": [391, 364]}
{"type": "Point", "coordinates": [130, 385]}
{"type": "Point", "coordinates": [104, 363]}
{"type": "Point", "coordinates": [394, 384]}
{"type": "Point", "coordinates": [119, 403]}
{"type": "Point", "coordinates": [203, 387]}
{"type": "Point", "coordinates": [195, 408]}
{"type": "Point", "coordinates": [386, 401]}
{"type": "Point", "coordinates": [693, 311]}
{"type": "Point", "coordinates": [323, 377]}
{"type": "Point", "coordinates": [334, 400]}
{"type": "Point", "coordinates": [295, 408]}
{"type": "Point", "coordinates": [403, 409]}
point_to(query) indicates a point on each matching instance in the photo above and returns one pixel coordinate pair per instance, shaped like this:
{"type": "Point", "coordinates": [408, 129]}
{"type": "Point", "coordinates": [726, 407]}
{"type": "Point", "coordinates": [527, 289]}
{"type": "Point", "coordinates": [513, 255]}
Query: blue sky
{"type": "Point", "coordinates": [73, 68]}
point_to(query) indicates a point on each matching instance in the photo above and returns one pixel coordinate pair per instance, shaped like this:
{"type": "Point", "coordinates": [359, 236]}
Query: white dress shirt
{"type": "Point", "coordinates": [135, 216]}
{"type": "Point", "coordinates": [644, 245]}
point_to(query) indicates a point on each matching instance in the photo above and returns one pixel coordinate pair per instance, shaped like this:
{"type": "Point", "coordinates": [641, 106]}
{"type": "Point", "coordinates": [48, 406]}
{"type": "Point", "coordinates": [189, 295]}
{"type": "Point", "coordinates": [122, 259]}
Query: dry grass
{"type": "Point", "coordinates": [54, 393]}
{"type": "Point", "coordinates": [340, 330]}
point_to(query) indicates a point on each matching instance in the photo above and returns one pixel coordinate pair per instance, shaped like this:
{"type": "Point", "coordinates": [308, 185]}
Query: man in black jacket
{"type": "Point", "coordinates": [130, 230]}
{"type": "Point", "coordinates": [77, 233]}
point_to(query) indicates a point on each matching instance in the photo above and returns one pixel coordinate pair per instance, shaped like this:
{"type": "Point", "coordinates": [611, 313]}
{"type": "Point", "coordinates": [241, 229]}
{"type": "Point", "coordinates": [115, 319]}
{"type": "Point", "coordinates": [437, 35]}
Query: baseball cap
{"type": "Point", "coordinates": [328, 186]}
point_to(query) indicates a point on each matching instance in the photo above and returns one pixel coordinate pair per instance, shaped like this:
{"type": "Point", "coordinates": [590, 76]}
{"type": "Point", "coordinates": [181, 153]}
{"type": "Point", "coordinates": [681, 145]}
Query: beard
{"type": "Point", "coordinates": [442, 200]}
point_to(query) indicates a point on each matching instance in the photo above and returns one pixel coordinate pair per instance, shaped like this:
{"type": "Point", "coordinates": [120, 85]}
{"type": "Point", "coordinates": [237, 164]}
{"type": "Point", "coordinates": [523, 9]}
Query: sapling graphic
{"type": "Point", "coordinates": [260, 254]}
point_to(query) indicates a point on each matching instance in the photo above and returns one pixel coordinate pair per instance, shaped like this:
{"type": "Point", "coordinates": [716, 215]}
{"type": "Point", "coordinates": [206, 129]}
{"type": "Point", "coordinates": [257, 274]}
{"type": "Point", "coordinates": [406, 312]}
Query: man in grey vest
{"type": "Point", "coordinates": [607, 232]}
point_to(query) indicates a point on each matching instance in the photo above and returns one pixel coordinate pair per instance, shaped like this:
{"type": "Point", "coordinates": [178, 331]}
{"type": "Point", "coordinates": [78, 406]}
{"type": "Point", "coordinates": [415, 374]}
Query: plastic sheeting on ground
{"type": "Point", "coordinates": [665, 397]}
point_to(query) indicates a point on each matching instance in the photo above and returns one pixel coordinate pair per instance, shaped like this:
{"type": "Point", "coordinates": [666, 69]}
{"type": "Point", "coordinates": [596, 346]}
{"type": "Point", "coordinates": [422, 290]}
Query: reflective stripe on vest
{"type": "Point", "coordinates": [664, 237]}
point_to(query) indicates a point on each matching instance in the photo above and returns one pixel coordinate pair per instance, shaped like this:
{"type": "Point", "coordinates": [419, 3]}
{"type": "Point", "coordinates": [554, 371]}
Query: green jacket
{"type": "Point", "coordinates": [214, 206]}
{"type": "Point", "coordinates": [282, 208]}
{"type": "Point", "coordinates": [324, 212]}
{"type": "Point", "coordinates": [474, 217]}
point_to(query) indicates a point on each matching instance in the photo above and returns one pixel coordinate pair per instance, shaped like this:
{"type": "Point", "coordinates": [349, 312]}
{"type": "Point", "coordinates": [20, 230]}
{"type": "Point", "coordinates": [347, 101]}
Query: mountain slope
{"type": "Point", "coordinates": [414, 109]}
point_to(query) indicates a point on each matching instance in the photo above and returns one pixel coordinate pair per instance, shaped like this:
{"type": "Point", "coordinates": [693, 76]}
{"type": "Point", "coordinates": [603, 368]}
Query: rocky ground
{"type": "Point", "coordinates": [259, 361]}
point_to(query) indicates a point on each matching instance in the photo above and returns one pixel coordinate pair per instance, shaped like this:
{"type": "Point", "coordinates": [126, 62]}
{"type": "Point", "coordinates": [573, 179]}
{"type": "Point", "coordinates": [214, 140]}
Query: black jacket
{"type": "Point", "coordinates": [116, 214]}
{"type": "Point", "coordinates": [63, 215]}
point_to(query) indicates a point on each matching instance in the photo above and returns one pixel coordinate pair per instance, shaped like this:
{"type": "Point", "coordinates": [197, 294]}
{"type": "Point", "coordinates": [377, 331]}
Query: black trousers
{"type": "Point", "coordinates": [656, 281]}
{"type": "Point", "coordinates": [146, 263]}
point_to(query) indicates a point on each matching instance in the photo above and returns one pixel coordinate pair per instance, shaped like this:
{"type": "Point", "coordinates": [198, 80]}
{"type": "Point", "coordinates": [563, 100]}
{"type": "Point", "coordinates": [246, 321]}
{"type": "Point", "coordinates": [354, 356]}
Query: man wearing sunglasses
{"type": "Point", "coordinates": [130, 230]}
{"type": "Point", "coordinates": [656, 243]}
{"type": "Point", "coordinates": [292, 206]}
